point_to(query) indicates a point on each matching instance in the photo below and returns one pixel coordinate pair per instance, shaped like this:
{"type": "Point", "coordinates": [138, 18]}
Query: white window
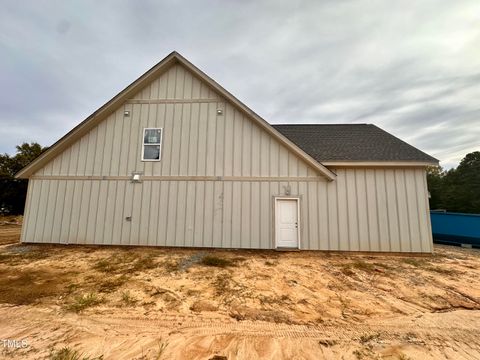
{"type": "Point", "coordinates": [152, 144]}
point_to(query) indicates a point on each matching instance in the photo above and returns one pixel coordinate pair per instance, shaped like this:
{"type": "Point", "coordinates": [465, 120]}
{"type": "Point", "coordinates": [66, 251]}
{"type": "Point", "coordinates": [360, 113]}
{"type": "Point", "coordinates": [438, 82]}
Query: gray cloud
{"type": "Point", "coordinates": [413, 70]}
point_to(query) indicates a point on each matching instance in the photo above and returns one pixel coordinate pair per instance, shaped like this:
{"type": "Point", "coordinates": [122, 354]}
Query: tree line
{"type": "Point", "coordinates": [458, 189]}
{"type": "Point", "coordinates": [14, 191]}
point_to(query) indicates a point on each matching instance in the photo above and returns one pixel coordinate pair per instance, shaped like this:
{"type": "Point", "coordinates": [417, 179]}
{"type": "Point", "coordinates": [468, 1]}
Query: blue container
{"type": "Point", "coordinates": [455, 228]}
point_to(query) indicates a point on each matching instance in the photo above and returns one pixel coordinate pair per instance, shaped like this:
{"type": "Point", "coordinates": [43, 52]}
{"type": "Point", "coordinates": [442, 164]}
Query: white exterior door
{"type": "Point", "coordinates": [287, 223]}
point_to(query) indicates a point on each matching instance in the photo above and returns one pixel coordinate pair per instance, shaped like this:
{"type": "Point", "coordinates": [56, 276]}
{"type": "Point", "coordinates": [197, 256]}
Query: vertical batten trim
{"type": "Point", "coordinates": [63, 211]}
{"type": "Point", "coordinates": [167, 185]}
{"type": "Point", "coordinates": [195, 184]}
{"type": "Point", "coordinates": [215, 123]}
{"type": "Point", "coordinates": [417, 206]}
{"type": "Point", "coordinates": [327, 203]}
{"type": "Point", "coordinates": [377, 213]}
{"type": "Point", "coordinates": [386, 208]}
{"type": "Point", "coordinates": [427, 211]}
{"type": "Point", "coordinates": [33, 228]}
{"type": "Point", "coordinates": [250, 230]}
{"type": "Point", "coordinates": [410, 235]}
{"type": "Point", "coordinates": [182, 138]}
{"type": "Point", "coordinates": [369, 234]}
{"type": "Point", "coordinates": [355, 177]}
{"type": "Point", "coordinates": [347, 212]}
{"type": "Point", "coordinates": [339, 241]}
{"type": "Point", "coordinates": [114, 213]}
{"type": "Point", "coordinates": [120, 139]}
{"type": "Point", "coordinates": [80, 211]}
{"type": "Point", "coordinates": [398, 209]}
{"type": "Point", "coordinates": [187, 187]}
{"type": "Point", "coordinates": [26, 216]}
{"type": "Point", "coordinates": [189, 136]}
{"type": "Point", "coordinates": [203, 212]}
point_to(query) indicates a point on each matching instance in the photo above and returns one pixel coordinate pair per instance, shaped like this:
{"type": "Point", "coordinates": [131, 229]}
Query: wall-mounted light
{"type": "Point", "coordinates": [126, 113]}
{"type": "Point", "coordinates": [136, 177]}
{"type": "Point", "coordinates": [219, 112]}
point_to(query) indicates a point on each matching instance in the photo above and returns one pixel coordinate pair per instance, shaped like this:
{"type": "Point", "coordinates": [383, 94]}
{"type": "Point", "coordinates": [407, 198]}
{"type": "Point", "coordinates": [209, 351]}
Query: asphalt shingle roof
{"type": "Point", "coordinates": [351, 142]}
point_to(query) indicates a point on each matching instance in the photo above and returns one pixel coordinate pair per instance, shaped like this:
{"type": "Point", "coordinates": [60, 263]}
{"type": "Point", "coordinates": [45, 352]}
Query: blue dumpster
{"type": "Point", "coordinates": [455, 228]}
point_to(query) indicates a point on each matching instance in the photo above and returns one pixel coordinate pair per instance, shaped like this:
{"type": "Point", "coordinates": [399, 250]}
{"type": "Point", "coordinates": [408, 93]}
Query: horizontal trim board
{"type": "Point", "coordinates": [182, 178]}
{"type": "Point", "coordinates": [378, 163]}
{"type": "Point", "coordinates": [172, 101]}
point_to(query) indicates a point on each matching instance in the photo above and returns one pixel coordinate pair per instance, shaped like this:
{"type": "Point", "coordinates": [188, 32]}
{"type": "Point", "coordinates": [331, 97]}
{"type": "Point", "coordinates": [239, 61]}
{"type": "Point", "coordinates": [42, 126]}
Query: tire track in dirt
{"type": "Point", "coordinates": [434, 335]}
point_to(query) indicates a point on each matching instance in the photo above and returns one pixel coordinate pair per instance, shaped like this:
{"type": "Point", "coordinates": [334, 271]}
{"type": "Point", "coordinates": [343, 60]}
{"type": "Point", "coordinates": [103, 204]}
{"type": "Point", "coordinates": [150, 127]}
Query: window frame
{"type": "Point", "coordinates": [159, 144]}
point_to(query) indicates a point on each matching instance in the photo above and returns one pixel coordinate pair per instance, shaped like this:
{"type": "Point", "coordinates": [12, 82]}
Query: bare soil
{"type": "Point", "coordinates": [159, 303]}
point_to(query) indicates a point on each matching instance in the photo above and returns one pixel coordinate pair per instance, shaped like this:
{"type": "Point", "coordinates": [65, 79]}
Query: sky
{"type": "Point", "coordinates": [409, 67]}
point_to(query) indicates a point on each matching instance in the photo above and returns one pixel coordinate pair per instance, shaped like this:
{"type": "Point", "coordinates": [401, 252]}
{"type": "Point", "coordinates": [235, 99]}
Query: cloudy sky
{"type": "Point", "coordinates": [412, 68]}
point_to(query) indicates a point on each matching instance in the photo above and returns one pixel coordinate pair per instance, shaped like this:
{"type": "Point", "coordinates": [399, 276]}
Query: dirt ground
{"type": "Point", "coordinates": [10, 227]}
{"type": "Point", "coordinates": [144, 303]}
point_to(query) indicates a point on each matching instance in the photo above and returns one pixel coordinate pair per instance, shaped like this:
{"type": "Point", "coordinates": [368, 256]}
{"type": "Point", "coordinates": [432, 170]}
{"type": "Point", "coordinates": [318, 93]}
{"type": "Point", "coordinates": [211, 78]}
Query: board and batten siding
{"type": "Point", "coordinates": [196, 141]}
{"type": "Point", "coordinates": [214, 185]}
{"type": "Point", "coordinates": [363, 210]}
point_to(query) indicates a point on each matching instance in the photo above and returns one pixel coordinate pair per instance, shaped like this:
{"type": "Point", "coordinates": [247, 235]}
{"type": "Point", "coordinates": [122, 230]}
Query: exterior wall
{"type": "Point", "coordinates": [363, 210]}
{"type": "Point", "coordinates": [196, 141]}
{"type": "Point", "coordinates": [214, 185]}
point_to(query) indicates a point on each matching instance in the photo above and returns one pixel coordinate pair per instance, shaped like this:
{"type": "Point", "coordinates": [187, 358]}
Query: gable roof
{"type": "Point", "coordinates": [335, 143]}
{"type": "Point", "coordinates": [137, 85]}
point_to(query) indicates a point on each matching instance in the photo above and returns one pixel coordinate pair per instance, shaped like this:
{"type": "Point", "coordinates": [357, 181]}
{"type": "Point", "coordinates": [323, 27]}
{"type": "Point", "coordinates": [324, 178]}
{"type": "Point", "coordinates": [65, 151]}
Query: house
{"type": "Point", "coordinates": [176, 160]}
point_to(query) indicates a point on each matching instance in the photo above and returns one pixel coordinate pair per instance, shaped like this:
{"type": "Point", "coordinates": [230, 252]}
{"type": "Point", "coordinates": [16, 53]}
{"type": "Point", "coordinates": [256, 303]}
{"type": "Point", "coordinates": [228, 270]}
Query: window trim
{"type": "Point", "coordinates": [159, 144]}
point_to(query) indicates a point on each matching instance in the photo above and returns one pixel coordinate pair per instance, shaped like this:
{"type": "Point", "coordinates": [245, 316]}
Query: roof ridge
{"type": "Point", "coordinates": [323, 124]}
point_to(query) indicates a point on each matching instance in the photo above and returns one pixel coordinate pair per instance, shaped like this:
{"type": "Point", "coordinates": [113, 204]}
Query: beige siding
{"type": "Point", "coordinates": [196, 141]}
{"type": "Point", "coordinates": [214, 185]}
{"type": "Point", "coordinates": [364, 210]}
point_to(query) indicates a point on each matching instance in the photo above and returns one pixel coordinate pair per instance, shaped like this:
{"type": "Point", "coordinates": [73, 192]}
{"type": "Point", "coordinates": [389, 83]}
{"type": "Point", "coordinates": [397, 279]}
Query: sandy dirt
{"type": "Point", "coordinates": [10, 228]}
{"type": "Point", "coordinates": [144, 303]}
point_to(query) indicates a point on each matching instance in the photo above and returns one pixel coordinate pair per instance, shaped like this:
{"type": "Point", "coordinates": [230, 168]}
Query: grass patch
{"type": "Point", "coordinates": [365, 338]}
{"type": "Point", "coordinates": [228, 289]}
{"type": "Point", "coordinates": [125, 263]}
{"type": "Point", "coordinates": [67, 353]}
{"type": "Point", "coordinates": [215, 261]}
{"type": "Point", "coordinates": [171, 266]}
{"type": "Point", "coordinates": [144, 263]}
{"type": "Point", "coordinates": [112, 284]}
{"type": "Point", "coordinates": [20, 253]}
{"type": "Point", "coordinates": [270, 300]}
{"type": "Point", "coordinates": [363, 266]}
{"type": "Point", "coordinates": [105, 265]}
{"type": "Point", "coordinates": [415, 262]}
{"type": "Point", "coordinates": [83, 302]}
{"type": "Point", "coordinates": [71, 288]}
{"type": "Point", "coordinates": [161, 347]}
{"type": "Point", "coordinates": [128, 299]}
{"type": "Point", "coordinates": [22, 286]}
{"type": "Point", "coordinates": [348, 269]}
{"type": "Point", "coordinates": [327, 342]}
{"type": "Point", "coordinates": [222, 284]}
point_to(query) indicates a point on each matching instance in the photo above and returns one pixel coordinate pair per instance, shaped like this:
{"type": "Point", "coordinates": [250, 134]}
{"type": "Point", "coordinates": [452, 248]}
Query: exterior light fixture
{"type": "Point", "coordinates": [136, 177]}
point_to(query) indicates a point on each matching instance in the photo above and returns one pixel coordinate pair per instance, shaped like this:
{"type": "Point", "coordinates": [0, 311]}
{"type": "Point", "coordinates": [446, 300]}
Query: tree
{"type": "Point", "coordinates": [457, 190]}
{"type": "Point", "coordinates": [435, 185]}
{"type": "Point", "coordinates": [13, 191]}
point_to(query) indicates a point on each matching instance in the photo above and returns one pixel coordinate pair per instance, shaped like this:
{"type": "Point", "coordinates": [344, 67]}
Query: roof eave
{"type": "Point", "coordinates": [112, 104]}
{"type": "Point", "coordinates": [395, 163]}
{"type": "Point", "coordinates": [95, 117]}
